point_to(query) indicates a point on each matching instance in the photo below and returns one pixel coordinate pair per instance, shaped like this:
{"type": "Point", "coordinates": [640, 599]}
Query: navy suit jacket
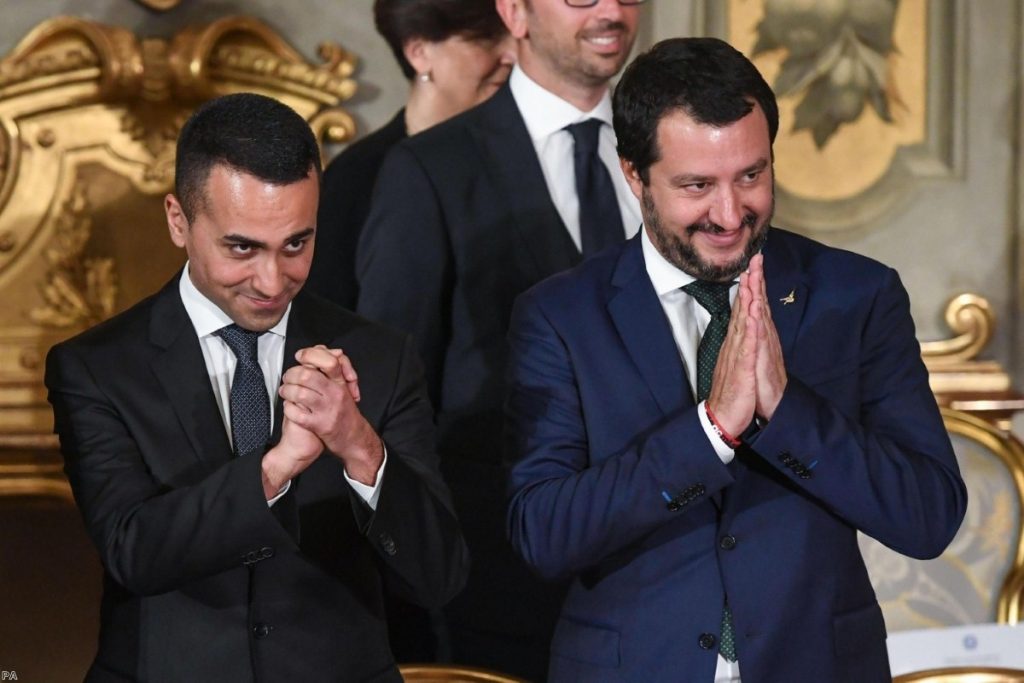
{"type": "Point", "coordinates": [461, 224]}
{"type": "Point", "coordinates": [615, 484]}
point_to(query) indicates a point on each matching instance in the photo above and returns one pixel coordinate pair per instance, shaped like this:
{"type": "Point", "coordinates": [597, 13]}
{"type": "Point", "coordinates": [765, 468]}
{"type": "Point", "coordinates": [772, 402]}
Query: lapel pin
{"type": "Point", "coordinates": [789, 298]}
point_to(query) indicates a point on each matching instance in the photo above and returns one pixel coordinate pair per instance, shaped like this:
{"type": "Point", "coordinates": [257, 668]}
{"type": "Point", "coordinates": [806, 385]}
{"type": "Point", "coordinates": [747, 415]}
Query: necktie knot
{"type": "Point", "coordinates": [585, 136]}
{"type": "Point", "coordinates": [242, 342]}
{"type": "Point", "coordinates": [713, 296]}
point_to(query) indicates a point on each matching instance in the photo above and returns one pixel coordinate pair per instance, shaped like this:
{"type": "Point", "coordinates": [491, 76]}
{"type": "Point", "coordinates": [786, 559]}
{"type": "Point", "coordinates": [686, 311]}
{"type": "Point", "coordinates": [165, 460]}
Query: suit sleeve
{"type": "Point", "coordinates": [151, 538]}
{"type": "Point", "coordinates": [404, 261]}
{"type": "Point", "coordinates": [889, 469]}
{"type": "Point", "coordinates": [414, 528]}
{"type": "Point", "coordinates": [568, 513]}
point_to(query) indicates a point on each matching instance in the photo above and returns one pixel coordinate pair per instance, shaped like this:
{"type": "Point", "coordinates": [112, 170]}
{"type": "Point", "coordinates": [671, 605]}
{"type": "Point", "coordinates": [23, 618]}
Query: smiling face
{"type": "Point", "coordinates": [567, 49]}
{"type": "Point", "coordinates": [250, 243]}
{"type": "Point", "coordinates": [709, 197]}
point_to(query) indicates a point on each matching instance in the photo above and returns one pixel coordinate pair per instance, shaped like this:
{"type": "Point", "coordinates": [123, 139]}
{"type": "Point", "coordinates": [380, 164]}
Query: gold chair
{"type": "Point", "coordinates": [980, 577]}
{"type": "Point", "coordinates": [960, 675]}
{"type": "Point", "coordinates": [443, 673]}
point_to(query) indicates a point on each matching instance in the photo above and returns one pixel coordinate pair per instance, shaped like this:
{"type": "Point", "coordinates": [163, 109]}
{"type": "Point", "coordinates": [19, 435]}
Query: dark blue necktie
{"type": "Point", "coordinates": [250, 404]}
{"type": "Point", "coordinates": [600, 220]}
{"type": "Point", "coordinates": [714, 297]}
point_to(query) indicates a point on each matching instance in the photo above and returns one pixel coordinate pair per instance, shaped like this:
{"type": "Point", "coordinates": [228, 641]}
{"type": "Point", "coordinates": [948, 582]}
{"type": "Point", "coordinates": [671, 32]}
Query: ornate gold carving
{"type": "Point", "coordinates": [34, 480]}
{"type": "Point", "coordinates": [970, 317]}
{"type": "Point", "coordinates": [972, 674]}
{"type": "Point", "coordinates": [78, 291]}
{"type": "Point", "coordinates": [956, 377]}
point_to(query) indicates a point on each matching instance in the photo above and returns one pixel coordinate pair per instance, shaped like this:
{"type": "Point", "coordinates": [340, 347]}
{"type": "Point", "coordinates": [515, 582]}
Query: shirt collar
{"type": "Point", "coordinates": [207, 317]}
{"type": "Point", "coordinates": [545, 112]}
{"type": "Point", "coordinates": [664, 276]}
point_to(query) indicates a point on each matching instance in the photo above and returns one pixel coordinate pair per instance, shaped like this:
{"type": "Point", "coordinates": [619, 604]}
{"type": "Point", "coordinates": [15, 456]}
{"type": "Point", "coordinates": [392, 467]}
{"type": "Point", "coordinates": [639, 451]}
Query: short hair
{"type": "Point", "coordinates": [399, 21]}
{"type": "Point", "coordinates": [252, 133]}
{"type": "Point", "coordinates": [707, 78]}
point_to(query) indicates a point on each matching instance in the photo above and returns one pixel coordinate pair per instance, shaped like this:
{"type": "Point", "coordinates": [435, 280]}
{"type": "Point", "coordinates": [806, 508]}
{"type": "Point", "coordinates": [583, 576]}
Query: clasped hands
{"type": "Point", "coordinates": [750, 374]}
{"type": "Point", "coordinates": [319, 397]}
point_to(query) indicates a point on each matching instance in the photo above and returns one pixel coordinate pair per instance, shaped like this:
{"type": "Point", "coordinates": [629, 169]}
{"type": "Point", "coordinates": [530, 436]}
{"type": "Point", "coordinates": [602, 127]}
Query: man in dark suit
{"type": "Point", "coordinates": [703, 419]}
{"type": "Point", "coordinates": [235, 551]}
{"type": "Point", "coordinates": [466, 216]}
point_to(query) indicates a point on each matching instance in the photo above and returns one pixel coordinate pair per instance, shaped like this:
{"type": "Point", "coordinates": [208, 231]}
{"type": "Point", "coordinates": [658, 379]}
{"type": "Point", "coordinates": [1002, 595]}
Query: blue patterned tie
{"type": "Point", "coordinates": [250, 404]}
{"type": "Point", "coordinates": [600, 220]}
{"type": "Point", "coordinates": [714, 297]}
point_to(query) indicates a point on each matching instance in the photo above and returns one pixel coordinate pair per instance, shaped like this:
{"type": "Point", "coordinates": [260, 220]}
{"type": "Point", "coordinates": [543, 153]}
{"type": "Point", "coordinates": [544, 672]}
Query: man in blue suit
{"type": "Point", "coordinates": [702, 419]}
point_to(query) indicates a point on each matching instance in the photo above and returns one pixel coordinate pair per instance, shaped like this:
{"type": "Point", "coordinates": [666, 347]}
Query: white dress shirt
{"type": "Point", "coordinates": [546, 115]}
{"type": "Point", "coordinates": [688, 320]}
{"type": "Point", "coordinates": [207, 318]}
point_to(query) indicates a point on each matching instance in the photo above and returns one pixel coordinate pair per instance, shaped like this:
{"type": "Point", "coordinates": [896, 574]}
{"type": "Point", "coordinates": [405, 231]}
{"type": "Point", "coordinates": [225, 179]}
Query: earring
{"type": "Point", "coordinates": [424, 77]}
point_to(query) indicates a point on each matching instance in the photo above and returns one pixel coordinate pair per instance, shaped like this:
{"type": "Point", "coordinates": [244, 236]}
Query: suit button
{"type": "Point", "coordinates": [387, 543]}
{"type": "Point", "coordinates": [266, 553]}
{"type": "Point", "coordinates": [261, 630]}
{"type": "Point", "coordinates": [700, 489]}
{"type": "Point", "coordinates": [728, 542]}
{"type": "Point", "coordinates": [706, 641]}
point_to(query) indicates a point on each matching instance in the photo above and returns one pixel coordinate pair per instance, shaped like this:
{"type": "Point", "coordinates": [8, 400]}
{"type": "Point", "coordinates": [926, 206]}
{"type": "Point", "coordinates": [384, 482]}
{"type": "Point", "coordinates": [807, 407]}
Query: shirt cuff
{"type": "Point", "coordinates": [722, 449]}
{"type": "Point", "coordinates": [370, 494]}
{"type": "Point", "coordinates": [284, 490]}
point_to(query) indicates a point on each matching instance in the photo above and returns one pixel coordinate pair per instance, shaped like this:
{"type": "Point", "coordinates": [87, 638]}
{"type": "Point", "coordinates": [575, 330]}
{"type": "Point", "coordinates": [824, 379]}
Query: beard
{"type": "Point", "coordinates": [684, 256]}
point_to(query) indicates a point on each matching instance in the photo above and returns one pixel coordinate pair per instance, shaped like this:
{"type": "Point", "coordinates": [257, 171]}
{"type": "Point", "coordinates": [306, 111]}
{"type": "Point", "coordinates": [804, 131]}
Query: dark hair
{"type": "Point", "coordinates": [705, 77]}
{"type": "Point", "coordinates": [399, 21]}
{"type": "Point", "coordinates": [252, 133]}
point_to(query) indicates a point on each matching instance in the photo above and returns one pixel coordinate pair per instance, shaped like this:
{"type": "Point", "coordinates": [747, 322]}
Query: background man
{"type": "Point", "coordinates": [701, 474]}
{"type": "Point", "coordinates": [466, 216]}
{"type": "Point", "coordinates": [227, 559]}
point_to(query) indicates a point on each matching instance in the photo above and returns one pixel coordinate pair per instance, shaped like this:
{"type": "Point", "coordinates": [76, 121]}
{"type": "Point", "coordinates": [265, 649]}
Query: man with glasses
{"type": "Point", "coordinates": [465, 217]}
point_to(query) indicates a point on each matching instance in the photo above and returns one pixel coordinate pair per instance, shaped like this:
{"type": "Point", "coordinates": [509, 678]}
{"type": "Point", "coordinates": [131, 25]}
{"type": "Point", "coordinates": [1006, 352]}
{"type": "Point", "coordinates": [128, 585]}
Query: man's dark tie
{"type": "Point", "coordinates": [714, 297]}
{"type": "Point", "coordinates": [250, 404]}
{"type": "Point", "coordinates": [600, 220]}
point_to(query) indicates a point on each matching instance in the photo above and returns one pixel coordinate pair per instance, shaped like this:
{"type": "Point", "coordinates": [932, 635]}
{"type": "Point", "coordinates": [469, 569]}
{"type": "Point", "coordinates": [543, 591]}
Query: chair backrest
{"type": "Point", "coordinates": [980, 577]}
{"type": "Point", "coordinates": [444, 673]}
{"type": "Point", "coordinates": [963, 675]}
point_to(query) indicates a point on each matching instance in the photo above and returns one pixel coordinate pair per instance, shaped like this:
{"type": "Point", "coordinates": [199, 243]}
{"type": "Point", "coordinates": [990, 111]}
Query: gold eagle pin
{"type": "Point", "coordinates": [789, 298]}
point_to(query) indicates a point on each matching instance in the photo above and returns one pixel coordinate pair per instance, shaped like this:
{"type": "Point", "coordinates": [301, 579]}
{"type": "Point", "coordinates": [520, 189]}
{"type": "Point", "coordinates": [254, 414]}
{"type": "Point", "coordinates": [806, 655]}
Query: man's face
{"type": "Point", "coordinates": [250, 243]}
{"type": "Point", "coordinates": [585, 46]}
{"type": "Point", "coordinates": [710, 196]}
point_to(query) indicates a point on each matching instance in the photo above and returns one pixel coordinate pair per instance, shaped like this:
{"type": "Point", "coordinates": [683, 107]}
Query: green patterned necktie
{"type": "Point", "coordinates": [714, 297]}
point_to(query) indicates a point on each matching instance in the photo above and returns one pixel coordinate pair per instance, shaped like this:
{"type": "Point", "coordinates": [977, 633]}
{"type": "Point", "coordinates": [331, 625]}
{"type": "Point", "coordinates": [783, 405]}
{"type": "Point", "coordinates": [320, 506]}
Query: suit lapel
{"type": "Point", "coordinates": [510, 161]}
{"type": "Point", "coordinates": [786, 289]}
{"type": "Point", "coordinates": [640, 321]}
{"type": "Point", "coordinates": [181, 370]}
{"type": "Point", "coordinates": [298, 335]}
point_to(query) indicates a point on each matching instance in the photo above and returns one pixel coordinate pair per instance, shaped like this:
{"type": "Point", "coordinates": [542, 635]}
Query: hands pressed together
{"type": "Point", "coordinates": [319, 398]}
{"type": "Point", "coordinates": [750, 374]}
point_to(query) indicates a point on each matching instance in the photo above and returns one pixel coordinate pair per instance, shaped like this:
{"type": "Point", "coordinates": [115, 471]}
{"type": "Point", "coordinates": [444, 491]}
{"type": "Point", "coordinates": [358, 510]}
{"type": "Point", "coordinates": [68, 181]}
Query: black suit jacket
{"type": "Point", "coordinates": [461, 223]}
{"type": "Point", "coordinates": [203, 580]}
{"type": "Point", "coordinates": [345, 195]}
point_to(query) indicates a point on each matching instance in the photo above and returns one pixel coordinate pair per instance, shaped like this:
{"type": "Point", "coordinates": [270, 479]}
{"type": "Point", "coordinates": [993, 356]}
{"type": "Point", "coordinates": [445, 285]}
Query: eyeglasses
{"type": "Point", "coordinates": [591, 3]}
